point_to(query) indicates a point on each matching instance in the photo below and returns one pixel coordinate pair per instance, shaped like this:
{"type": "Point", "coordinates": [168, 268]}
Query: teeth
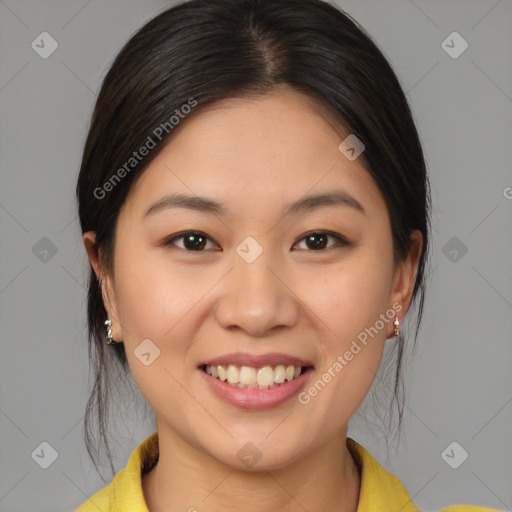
{"type": "Point", "coordinates": [223, 374]}
{"type": "Point", "coordinates": [233, 374]}
{"type": "Point", "coordinates": [279, 374]}
{"type": "Point", "coordinates": [265, 377]}
{"type": "Point", "coordinates": [248, 377]}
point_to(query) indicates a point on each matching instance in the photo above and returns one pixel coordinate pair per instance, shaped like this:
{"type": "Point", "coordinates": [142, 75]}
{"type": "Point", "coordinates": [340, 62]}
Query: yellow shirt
{"type": "Point", "coordinates": [380, 490]}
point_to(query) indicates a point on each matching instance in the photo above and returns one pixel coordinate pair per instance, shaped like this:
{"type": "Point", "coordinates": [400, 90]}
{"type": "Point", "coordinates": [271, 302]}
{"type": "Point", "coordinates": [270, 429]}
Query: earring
{"type": "Point", "coordinates": [397, 326]}
{"type": "Point", "coordinates": [110, 340]}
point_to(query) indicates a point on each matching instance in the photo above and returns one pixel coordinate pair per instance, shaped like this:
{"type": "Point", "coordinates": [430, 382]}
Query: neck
{"type": "Point", "coordinates": [186, 478]}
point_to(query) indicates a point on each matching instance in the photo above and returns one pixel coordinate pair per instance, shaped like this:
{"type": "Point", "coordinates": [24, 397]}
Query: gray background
{"type": "Point", "coordinates": [459, 384]}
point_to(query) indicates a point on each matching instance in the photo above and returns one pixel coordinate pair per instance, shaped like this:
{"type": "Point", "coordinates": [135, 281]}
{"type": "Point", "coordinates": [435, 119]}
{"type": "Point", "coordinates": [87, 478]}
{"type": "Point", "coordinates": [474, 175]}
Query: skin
{"type": "Point", "coordinates": [254, 156]}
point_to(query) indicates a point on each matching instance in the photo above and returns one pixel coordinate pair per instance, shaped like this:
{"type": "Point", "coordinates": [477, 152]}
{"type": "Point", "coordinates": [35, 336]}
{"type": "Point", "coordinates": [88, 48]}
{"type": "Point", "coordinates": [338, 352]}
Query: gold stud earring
{"type": "Point", "coordinates": [397, 326]}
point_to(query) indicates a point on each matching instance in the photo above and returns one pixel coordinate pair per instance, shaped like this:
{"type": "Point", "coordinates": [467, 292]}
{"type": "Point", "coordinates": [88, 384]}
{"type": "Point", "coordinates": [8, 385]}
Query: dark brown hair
{"type": "Point", "coordinates": [209, 50]}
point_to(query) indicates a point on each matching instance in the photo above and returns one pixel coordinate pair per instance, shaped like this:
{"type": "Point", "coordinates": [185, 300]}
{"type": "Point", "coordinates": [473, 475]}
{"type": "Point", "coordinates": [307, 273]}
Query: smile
{"type": "Point", "coordinates": [250, 377]}
{"type": "Point", "coordinates": [255, 381]}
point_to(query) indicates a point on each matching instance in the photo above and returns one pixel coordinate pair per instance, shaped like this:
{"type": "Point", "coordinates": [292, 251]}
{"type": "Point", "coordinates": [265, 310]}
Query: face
{"type": "Point", "coordinates": [254, 282]}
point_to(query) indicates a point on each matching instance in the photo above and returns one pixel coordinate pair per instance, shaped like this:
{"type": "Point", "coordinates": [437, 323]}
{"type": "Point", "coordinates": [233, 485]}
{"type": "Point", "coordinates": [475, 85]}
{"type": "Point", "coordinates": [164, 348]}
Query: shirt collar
{"type": "Point", "coordinates": [379, 488]}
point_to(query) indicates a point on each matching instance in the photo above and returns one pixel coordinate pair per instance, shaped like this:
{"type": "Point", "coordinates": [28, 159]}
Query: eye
{"type": "Point", "coordinates": [197, 241]}
{"type": "Point", "coordinates": [317, 240]}
{"type": "Point", "coordinates": [192, 240]}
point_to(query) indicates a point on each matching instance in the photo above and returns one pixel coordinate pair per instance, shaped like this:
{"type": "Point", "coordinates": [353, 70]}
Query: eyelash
{"type": "Point", "coordinates": [342, 241]}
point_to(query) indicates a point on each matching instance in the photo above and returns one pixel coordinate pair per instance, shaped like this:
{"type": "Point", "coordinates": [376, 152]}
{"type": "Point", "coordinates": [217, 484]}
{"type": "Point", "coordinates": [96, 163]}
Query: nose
{"type": "Point", "coordinates": [257, 298]}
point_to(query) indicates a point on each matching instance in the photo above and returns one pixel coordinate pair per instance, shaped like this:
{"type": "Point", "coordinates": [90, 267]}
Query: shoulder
{"type": "Point", "coordinates": [381, 490]}
{"type": "Point", "coordinates": [125, 491]}
{"type": "Point", "coordinates": [101, 500]}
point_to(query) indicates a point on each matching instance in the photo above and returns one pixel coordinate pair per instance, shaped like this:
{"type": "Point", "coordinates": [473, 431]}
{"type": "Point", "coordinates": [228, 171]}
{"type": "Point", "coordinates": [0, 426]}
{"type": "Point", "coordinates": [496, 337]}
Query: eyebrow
{"type": "Point", "coordinates": [207, 205]}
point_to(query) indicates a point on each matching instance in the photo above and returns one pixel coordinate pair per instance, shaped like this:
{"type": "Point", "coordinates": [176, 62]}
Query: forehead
{"type": "Point", "coordinates": [246, 152]}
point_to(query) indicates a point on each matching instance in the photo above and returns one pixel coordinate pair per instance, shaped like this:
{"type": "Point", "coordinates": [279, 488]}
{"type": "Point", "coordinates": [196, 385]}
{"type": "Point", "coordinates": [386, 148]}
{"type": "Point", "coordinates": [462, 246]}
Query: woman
{"type": "Point", "coordinates": [255, 206]}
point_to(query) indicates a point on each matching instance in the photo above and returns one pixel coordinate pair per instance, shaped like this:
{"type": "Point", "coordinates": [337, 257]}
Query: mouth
{"type": "Point", "coordinates": [255, 382]}
{"type": "Point", "coordinates": [255, 377]}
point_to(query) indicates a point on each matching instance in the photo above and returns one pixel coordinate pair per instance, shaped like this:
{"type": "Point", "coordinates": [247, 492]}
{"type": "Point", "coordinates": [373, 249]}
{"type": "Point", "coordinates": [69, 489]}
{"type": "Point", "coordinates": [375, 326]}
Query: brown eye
{"type": "Point", "coordinates": [318, 240]}
{"type": "Point", "coordinates": [192, 241]}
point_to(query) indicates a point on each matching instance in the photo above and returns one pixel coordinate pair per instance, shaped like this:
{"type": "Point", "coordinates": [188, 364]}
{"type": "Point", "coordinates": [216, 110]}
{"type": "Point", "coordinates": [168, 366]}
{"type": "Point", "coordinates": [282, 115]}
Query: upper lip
{"type": "Point", "coordinates": [257, 361]}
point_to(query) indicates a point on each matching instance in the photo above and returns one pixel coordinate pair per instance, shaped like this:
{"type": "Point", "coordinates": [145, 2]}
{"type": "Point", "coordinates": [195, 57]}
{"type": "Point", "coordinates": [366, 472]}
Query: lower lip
{"type": "Point", "coordinates": [256, 399]}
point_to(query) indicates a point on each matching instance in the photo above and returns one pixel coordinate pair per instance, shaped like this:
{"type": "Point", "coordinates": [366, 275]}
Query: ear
{"type": "Point", "coordinates": [405, 276]}
{"type": "Point", "coordinates": [107, 288]}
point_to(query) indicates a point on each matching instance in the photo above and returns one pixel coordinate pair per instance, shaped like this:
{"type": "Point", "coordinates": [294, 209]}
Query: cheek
{"type": "Point", "coordinates": [153, 294]}
{"type": "Point", "coordinates": [348, 297]}
{"type": "Point", "coordinates": [159, 303]}
{"type": "Point", "coordinates": [349, 303]}
{"type": "Point", "coordinates": [157, 306]}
